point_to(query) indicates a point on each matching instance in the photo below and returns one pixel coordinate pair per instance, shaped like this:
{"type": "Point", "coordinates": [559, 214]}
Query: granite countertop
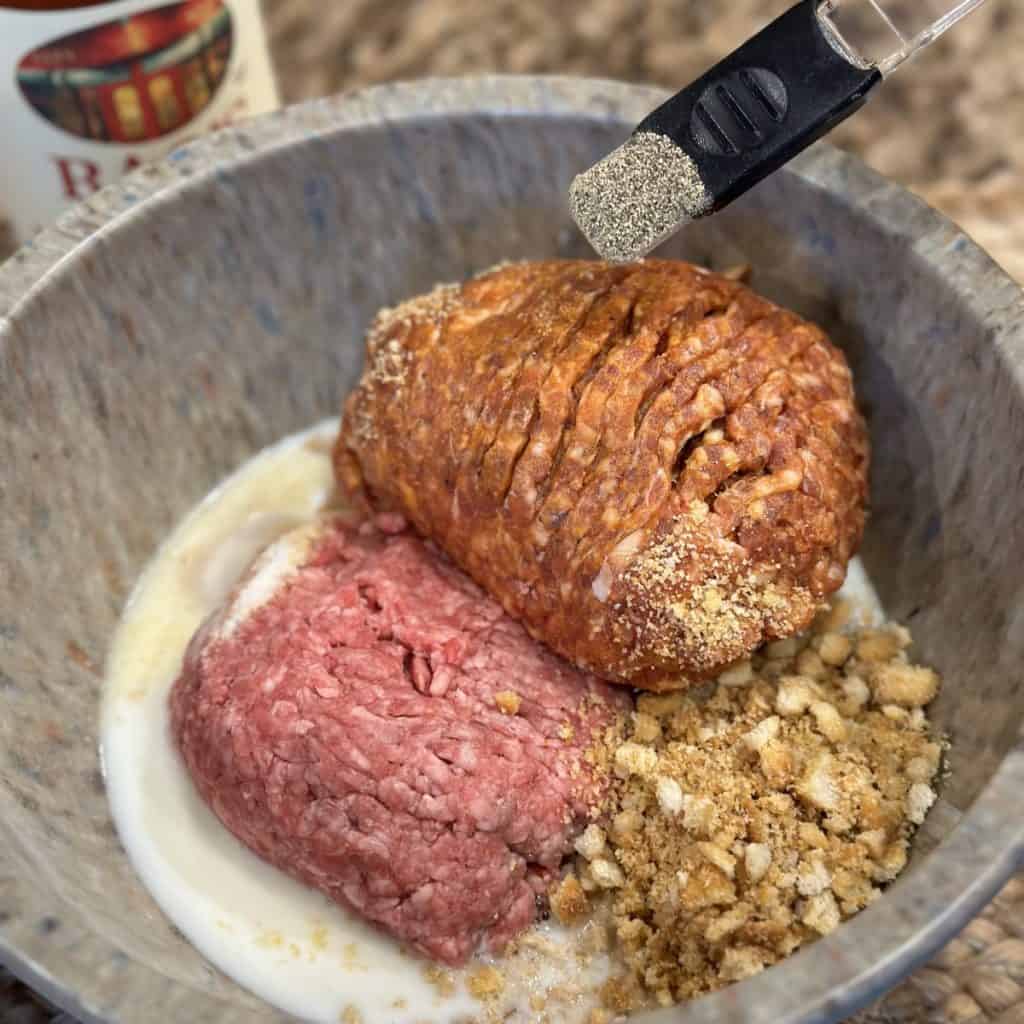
{"type": "Point", "coordinates": [943, 125]}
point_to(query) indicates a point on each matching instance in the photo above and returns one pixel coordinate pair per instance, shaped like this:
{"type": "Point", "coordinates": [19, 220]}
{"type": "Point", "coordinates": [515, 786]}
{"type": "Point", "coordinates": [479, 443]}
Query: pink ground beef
{"type": "Point", "coordinates": [340, 716]}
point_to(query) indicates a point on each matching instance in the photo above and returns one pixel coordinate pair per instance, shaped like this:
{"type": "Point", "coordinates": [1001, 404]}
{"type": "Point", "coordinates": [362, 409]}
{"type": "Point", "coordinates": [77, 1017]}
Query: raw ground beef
{"type": "Point", "coordinates": [360, 715]}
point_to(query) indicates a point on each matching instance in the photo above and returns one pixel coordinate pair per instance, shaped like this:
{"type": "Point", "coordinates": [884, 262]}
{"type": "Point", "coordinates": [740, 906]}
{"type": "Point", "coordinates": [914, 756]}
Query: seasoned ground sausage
{"type": "Point", "coordinates": [652, 467]}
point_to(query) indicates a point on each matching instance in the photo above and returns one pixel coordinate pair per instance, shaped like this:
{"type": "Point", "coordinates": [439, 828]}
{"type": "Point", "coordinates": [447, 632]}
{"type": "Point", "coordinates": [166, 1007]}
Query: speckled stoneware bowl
{"type": "Point", "coordinates": [214, 303]}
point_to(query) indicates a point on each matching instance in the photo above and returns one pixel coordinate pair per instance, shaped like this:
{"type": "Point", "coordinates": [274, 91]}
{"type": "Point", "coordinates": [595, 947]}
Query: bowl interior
{"type": "Point", "coordinates": [228, 311]}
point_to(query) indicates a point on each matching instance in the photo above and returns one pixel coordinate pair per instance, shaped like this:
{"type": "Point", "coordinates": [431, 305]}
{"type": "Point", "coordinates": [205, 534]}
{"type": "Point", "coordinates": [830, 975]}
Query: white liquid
{"type": "Point", "coordinates": [865, 606]}
{"type": "Point", "coordinates": [274, 936]}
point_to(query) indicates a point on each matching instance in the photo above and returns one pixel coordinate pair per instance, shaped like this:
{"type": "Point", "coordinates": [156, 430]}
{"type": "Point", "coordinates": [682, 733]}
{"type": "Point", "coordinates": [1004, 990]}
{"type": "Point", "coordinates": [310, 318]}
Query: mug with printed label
{"type": "Point", "coordinates": [90, 90]}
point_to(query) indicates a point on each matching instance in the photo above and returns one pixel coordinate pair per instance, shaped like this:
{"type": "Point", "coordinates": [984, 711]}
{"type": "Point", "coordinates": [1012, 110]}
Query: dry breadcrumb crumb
{"type": "Point", "coordinates": [607, 873]}
{"type": "Point", "coordinates": [741, 962]}
{"type": "Point", "coordinates": [834, 648]}
{"type": "Point", "coordinates": [757, 860]}
{"type": "Point", "coordinates": [739, 674]}
{"type": "Point", "coordinates": [907, 685]}
{"type": "Point", "coordinates": [485, 983]}
{"type": "Point", "coordinates": [634, 759]}
{"type": "Point", "coordinates": [508, 702]}
{"type": "Point", "coordinates": [621, 994]}
{"type": "Point", "coordinates": [569, 902]}
{"type": "Point", "coordinates": [590, 842]}
{"type": "Point", "coordinates": [822, 913]}
{"type": "Point", "coordinates": [646, 728]}
{"type": "Point", "coordinates": [670, 795]}
{"type": "Point", "coordinates": [919, 800]}
{"type": "Point", "coordinates": [441, 980]}
{"type": "Point", "coordinates": [752, 815]}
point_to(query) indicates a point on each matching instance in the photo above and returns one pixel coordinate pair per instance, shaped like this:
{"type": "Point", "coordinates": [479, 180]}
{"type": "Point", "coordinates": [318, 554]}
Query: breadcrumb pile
{"type": "Point", "coordinates": [756, 814]}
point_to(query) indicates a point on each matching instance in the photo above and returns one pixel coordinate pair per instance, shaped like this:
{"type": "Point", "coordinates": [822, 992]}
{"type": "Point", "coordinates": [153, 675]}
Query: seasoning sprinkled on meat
{"type": "Point", "coordinates": [652, 467]}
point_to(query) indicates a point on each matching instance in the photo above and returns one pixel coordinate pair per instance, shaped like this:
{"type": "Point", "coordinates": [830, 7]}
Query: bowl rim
{"type": "Point", "coordinates": [841, 972]}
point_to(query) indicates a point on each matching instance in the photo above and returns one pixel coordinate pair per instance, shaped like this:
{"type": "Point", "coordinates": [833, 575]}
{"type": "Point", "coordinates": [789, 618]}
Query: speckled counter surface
{"type": "Point", "coordinates": [944, 127]}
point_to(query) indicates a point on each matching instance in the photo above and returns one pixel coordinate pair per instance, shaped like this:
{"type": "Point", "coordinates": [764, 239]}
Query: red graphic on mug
{"type": "Point", "coordinates": [135, 78]}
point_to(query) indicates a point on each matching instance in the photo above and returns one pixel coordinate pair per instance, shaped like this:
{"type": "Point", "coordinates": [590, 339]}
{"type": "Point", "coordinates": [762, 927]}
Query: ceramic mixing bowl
{"type": "Point", "coordinates": [213, 303]}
